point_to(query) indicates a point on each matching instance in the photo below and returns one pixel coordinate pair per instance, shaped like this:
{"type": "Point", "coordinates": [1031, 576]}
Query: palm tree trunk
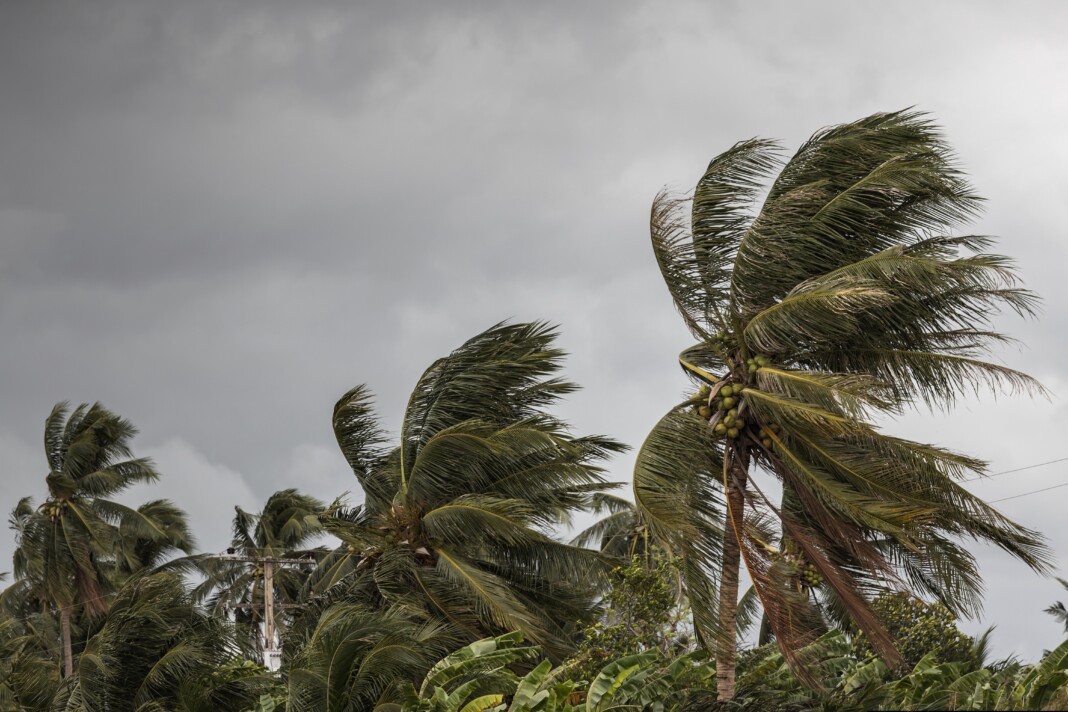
{"type": "Point", "coordinates": [726, 648]}
{"type": "Point", "coordinates": [64, 627]}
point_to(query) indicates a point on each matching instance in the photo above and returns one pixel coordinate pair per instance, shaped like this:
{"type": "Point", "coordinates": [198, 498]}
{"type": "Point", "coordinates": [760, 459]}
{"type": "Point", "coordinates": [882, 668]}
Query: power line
{"type": "Point", "coordinates": [1017, 469]}
{"type": "Point", "coordinates": [1025, 494]}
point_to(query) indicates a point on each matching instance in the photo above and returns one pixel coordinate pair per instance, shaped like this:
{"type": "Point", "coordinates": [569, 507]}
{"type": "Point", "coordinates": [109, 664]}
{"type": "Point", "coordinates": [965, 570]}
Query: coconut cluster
{"type": "Point", "coordinates": [810, 575]}
{"type": "Point", "coordinates": [723, 339]}
{"type": "Point", "coordinates": [766, 433]}
{"type": "Point", "coordinates": [807, 573]}
{"type": "Point", "coordinates": [723, 408]}
{"type": "Point", "coordinates": [54, 509]}
{"type": "Point", "coordinates": [756, 362]}
{"type": "Point", "coordinates": [724, 411]}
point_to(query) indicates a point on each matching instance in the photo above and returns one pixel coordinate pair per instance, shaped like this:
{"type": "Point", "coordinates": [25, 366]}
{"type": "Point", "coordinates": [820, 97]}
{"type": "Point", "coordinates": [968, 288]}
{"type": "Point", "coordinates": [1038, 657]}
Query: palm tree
{"type": "Point", "coordinates": [1058, 610]}
{"type": "Point", "coordinates": [842, 299]}
{"type": "Point", "coordinates": [68, 547]}
{"type": "Point", "coordinates": [136, 553]}
{"type": "Point", "coordinates": [284, 528]}
{"type": "Point", "coordinates": [457, 518]}
{"type": "Point", "coordinates": [157, 651]}
{"type": "Point", "coordinates": [619, 533]}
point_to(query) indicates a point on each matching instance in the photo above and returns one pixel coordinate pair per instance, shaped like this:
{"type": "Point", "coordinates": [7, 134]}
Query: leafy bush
{"type": "Point", "coordinates": [920, 629]}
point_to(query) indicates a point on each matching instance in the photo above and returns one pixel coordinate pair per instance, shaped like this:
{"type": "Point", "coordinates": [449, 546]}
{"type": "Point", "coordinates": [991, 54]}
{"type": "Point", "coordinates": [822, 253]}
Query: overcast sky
{"type": "Point", "coordinates": [216, 217]}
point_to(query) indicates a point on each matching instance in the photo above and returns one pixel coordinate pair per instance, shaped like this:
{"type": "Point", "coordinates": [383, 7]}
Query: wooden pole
{"type": "Point", "coordinates": [268, 605]}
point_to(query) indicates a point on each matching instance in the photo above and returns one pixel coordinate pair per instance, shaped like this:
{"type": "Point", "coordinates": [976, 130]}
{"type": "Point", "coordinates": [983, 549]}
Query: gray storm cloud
{"type": "Point", "coordinates": [216, 217]}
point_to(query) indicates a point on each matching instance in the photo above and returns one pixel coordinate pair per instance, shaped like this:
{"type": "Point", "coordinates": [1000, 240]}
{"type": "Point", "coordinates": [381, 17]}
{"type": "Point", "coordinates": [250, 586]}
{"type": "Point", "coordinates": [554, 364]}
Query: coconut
{"type": "Point", "coordinates": [720, 429]}
{"type": "Point", "coordinates": [729, 402]}
{"type": "Point", "coordinates": [704, 411]}
{"type": "Point", "coordinates": [732, 432]}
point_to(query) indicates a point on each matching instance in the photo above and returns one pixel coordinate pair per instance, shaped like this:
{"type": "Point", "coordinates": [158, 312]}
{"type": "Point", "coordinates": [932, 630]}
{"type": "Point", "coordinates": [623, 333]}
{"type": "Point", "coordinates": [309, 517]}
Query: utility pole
{"type": "Point", "coordinates": [268, 605]}
{"type": "Point", "coordinates": [272, 656]}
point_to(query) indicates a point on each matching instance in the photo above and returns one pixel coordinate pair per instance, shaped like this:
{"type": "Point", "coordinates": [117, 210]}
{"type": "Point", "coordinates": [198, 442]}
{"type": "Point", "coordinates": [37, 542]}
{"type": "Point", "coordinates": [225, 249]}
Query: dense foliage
{"type": "Point", "coordinates": [641, 612]}
{"type": "Point", "coordinates": [920, 629]}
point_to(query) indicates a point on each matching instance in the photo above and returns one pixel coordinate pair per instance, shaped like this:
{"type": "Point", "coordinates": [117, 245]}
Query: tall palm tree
{"type": "Point", "coordinates": [842, 298]}
{"type": "Point", "coordinates": [284, 528]}
{"type": "Point", "coordinates": [457, 518]}
{"type": "Point", "coordinates": [68, 547]}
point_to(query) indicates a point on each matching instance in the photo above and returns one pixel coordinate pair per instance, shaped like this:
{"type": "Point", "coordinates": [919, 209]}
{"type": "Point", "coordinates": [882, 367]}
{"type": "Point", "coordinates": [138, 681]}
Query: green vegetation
{"type": "Point", "coordinates": [449, 588]}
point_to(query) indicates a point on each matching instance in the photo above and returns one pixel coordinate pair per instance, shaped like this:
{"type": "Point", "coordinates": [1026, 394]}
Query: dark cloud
{"type": "Point", "coordinates": [218, 216]}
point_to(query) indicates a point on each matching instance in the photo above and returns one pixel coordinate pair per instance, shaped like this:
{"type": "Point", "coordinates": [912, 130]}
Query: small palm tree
{"type": "Point", "coordinates": [136, 553]}
{"type": "Point", "coordinates": [158, 651]}
{"type": "Point", "coordinates": [68, 548]}
{"type": "Point", "coordinates": [842, 298]}
{"type": "Point", "coordinates": [357, 658]}
{"type": "Point", "coordinates": [619, 533]}
{"type": "Point", "coordinates": [1058, 610]}
{"type": "Point", "coordinates": [457, 518]}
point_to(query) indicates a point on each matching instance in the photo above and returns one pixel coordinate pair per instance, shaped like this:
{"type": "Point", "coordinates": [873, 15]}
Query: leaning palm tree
{"type": "Point", "coordinates": [458, 518]}
{"type": "Point", "coordinates": [68, 546]}
{"type": "Point", "coordinates": [844, 298]}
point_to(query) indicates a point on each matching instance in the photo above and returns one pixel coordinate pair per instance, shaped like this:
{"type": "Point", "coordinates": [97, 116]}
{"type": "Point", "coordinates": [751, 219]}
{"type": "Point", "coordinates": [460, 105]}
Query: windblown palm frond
{"type": "Point", "coordinates": [157, 651]}
{"type": "Point", "coordinates": [358, 658]}
{"type": "Point", "coordinates": [843, 299]}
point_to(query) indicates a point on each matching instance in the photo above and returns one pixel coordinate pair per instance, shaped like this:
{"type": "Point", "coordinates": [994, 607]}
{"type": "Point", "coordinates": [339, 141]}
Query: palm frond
{"type": "Point", "coordinates": [361, 439]}
{"type": "Point", "coordinates": [678, 496]}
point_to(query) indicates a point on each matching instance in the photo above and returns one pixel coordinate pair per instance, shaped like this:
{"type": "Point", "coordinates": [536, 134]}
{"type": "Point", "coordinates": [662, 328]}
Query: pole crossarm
{"type": "Point", "coordinates": [262, 559]}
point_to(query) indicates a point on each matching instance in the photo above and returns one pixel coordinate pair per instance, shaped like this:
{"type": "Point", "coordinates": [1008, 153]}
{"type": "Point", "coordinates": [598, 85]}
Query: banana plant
{"type": "Point", "coordinates": [479, 678]}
